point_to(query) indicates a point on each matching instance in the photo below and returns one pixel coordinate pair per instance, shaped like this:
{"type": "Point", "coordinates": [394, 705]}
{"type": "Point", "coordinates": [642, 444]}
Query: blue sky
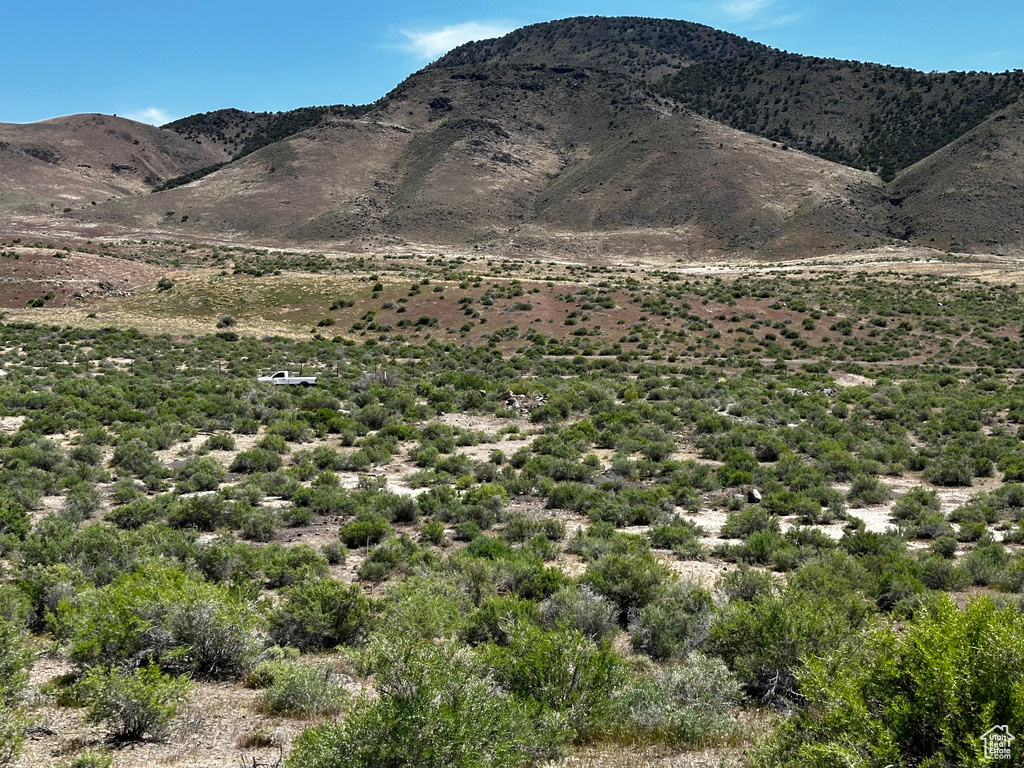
{"type": "Point", "coordinates": [159, 61]}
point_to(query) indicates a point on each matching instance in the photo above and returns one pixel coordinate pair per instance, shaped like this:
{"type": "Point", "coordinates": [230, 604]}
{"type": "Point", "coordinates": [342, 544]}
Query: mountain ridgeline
{"type": "Point", "coordinates": [592, 136]}
{"type": "Point", "coordinates": [868, 116]}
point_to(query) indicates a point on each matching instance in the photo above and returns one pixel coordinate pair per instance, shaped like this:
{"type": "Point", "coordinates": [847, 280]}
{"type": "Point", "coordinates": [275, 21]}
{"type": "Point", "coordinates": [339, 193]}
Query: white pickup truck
{"type": "Point", "coordinates": [282, 377]}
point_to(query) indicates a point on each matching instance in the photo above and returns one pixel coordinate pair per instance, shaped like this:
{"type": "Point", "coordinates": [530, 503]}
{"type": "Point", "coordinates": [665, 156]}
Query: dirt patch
{"type": "Point", "coordinates": [69, 278]}
{"type": "Point", "coordinates": [11, 424]}
{"type": "Point", "coordinates": [704, 572]}
{"type": "Point", "coordinates": [853, 380]}
{"type": "Point", "coordinates": [204, 734]}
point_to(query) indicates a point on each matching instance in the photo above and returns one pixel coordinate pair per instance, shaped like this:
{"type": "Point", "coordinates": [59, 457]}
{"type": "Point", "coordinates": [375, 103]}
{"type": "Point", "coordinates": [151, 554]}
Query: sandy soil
{"type": "Point", "coordinates": [205, 734]}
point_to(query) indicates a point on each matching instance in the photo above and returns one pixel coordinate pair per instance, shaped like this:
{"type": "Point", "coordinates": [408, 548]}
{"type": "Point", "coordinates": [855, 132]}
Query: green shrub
{"type": "Point", "coordinates": [953, 469]}
{"type": "Point", "coordinates": [678, 533]}
{"type": "Point", "coordinates": [137, 513]}
{"type": "Point", "coordinates": [745, 583]}
{"type": "Point", "coordinates": [334, 553]}
{"type": "Point", "coordinates": [1013, 575]}
{"type": "Point", "coordinates": [765, 640]}
{"type": "Point", "coordinates": [204, 512]}
{"type": "Point", "coordinates": [687, 704]}
{"type": "Point", "coordinates": [784, 503]}
{"type": "Point", "coordinates": [319, 614]}
{"type": "Point", "coordinates": [15, 523]}
{"type": "Point", "coordinates": [560, 671]}
{"type": "Point", "coordinates": [256, 460]}
{"type": "Point", "coordinates": [275, 442]}
{"type": "Point", "coordinates": [432, 532]}
{"type": "Point", "coordinates": [744, 522]}
{"type": "Point", "coordinates": [496, 618]}
{"type": "Point", "coordinates": [88, 759]}
{"type": "Point", "coordinates": [87, 453]}
{"type": "Point", "coordinates": [937, 572]}
{"type": "Point", "coordinates": [367, 528]}
{"type": "Point", "coordinates": [303, 690]}
{"type": "Point", "coordinates": [82, 501]}
{"type": "Point", "coordinates": [259, 524]}
{"type": "Point", "coordinates": [14, 721]}
{"type": "Point", "coordinates": [915, 504]}
{"type": "Point", "coordinates": [944, 546]}
{"type": "Point", "coordinates": [971, 531]}
{"type": "Point", "coordinates": [401, 509]}
{"type": "Point", "coordinates": [931, 526]}
{"type": "Point", "coordinates": [984, 564]}
{"type": "Point", "coordinates": [868, 491]}
{"type": "Point", "coordinates": [222, 441]}
{"type": "Point", "coordinates": [519, 528]}
{"type": "Point", "coordinates": [436, 708]}
{"type": "Point", "coordinates": [283, 566]}
{"type": "Point", "coordinates": [922, 694]}
{"type": "Point", "coordinates": [45, 587]}
{"type": "Point", "coordinates": [136, 457]}
{"type": "Point", "coordinates": [202, 474]}
{"type": "Point", "coordinates": [134, 703]}
{"type": "Point", "coordinates": [399, 553]}
{"type": "Point", "coordinates": [14, 661]}
{"type": "Point", "coordinates": [467, 530]}
{"type": "Point", "coordinates": [325, 457]}
{"type": "Point", "coordinates": [676, 622]}
{"type": "Point", "coordinates": [289, 430]}
{"type": "Point", "coordinates": [434, 606]}
{"type": "Point", "coordinates": [630, 580]}
{"type": "Point", "coordinates": [581, 609]}
{"type": "Point", "coordinates": [161, 615]}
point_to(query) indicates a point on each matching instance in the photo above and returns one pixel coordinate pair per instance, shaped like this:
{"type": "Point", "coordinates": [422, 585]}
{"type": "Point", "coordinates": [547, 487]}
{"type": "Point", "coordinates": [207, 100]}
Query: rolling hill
{"type": "Point", "coordinates": [521, 158]}
{"type": "Point", "coordinates": [970, 192]}
{"type": "Point", "coordinates": [585, 135]}
{"type": "Point", "coordinates": [82, 160]}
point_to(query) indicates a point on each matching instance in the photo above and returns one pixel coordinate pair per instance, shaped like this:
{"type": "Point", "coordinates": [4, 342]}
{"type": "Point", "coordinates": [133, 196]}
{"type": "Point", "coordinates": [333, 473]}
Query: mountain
{"type": "Point", "coordinates": [592, 135]}
{"type": "Point", "coordinates": [869, 116]}
{"type": "Point", "coordinates": [82, 160]}
{"type": "Point", "coordinates": [239, 133]}
{"type": "Point", "coordinates": [518, 158]}
{"type": "Point", "coordinates": [971, 192]}
{"type": "Point", "coordinates": [639, 48]}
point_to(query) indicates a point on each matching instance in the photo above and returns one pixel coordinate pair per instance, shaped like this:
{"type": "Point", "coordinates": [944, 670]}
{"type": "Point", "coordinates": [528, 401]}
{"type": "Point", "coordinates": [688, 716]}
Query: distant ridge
{"type": "Point", "coordinates": [868, 116]}
{"type": "Point", "coordinates": [586, 135]}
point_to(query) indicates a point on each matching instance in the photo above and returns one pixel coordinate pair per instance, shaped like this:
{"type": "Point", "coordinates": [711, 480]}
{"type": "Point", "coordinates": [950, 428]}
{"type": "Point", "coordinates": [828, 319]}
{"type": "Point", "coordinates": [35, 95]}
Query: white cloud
{"type": "Point", "coordinates": [744, 9]}
{"type": "Point", "coordinates": [151, 115]}
{"type": "Point", "coordinates": [428, 45]}
{"type": "Point", "coordinates": [755, 11]}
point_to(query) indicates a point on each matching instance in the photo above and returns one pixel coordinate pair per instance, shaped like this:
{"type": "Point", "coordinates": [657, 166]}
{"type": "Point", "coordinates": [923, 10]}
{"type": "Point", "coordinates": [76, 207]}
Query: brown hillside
{"type": "Point", "coordinates": [329, 173]}
{"type": "Point", "coordinates": [585, 135]}
{"type": "Point", "coordinates": [508, 157]}
{"type": "Point", "coordinates": [969, 194]}
{"type": "Point", "coordinates": [81, 159]}
{"type": "Point", "coordinates": [869, 116]}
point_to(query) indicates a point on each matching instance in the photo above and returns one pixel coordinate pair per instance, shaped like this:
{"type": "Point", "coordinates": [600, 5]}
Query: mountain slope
{"type": "Point", "coordinates": [863, 115]}
{"type": "Point", "coordinates": [590, 134]}
{"type": "Point", "coordinates": [969, 194]}
{"type": "Point", "coordinates": [868, 116]}
{"type": "Point", "coordinates": [83, 159]}
{"type": "Point", "coordinates": [239, 133]}
{"type": "Point", "coordinates": [518, 157]}
{"type": "Point", "coordinates": [639, 48]}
